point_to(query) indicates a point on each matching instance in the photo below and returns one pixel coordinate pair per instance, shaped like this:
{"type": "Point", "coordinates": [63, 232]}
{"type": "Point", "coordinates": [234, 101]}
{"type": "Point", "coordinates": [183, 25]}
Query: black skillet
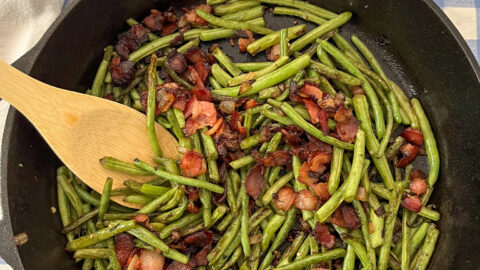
{"type": "Point", "coordinates": [414, 40]}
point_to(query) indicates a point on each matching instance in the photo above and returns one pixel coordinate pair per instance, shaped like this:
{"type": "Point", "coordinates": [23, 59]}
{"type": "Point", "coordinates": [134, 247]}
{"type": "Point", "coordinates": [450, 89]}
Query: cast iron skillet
{"type": "Point", "coordinates": [417, 44]}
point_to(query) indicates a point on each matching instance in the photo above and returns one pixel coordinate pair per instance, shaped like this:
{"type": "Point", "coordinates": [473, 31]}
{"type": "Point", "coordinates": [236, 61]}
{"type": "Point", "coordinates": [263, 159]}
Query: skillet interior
{"type": "Point", "coordinates": [441, 72]}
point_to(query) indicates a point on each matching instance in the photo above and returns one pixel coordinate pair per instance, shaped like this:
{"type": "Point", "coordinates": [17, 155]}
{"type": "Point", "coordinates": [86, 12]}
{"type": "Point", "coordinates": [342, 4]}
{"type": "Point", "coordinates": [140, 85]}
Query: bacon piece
{"type": "Point", "coordinates": [141, 219]}
{"type": "Point", "coordinates": [251, 103]}
{"type": "Point", "coordinates": [418, 186]}
{"type": "Point", "coordinates": [195, 55]}
{"type": "Point", "coordinates": [203, 70]}
{"type": "Point", "coordinates": [193, 164]}
{"type": "Point", "coordinates": [236, 123]}
{"type": "Point", "coordinates": [124, 245]}
{"type": "Point", "coordinates": [284, 198]}
{"type": "Point", "coordinates": [268, 131]}
{"type": "Point", "coordinates": [321, 190]}
{"type": "Point", "coordinates": [202, 94]}
{"type": "Point", "coordinates": [192, 208]}
{"type": "Point", "coordinates": [254, 182]}
{"type": "Point", "coordinates": [192, 193]}
{"type": "Point", "coordinates": [304, 176]}
{"type": "Point", "coordinates": [215, 127]}
{"type": "Point", "coordinates": [201, 238]}
{"type": "Point", "coordinates": [169, 29]}
{"type": "Point", "coordinates": [227, 106]}
{"type": "Point", "coordinates": [200, 258]}
{"type": "Point", "coordinates": [347, 124]}
{"type": "Point", "coordinates": [277, 158]}
{"type": "Point", "coordinates": [273, 53]}
{"type": "Point", "coordinates": [338, 218]}
{"type": "Point", "coordinates": [305, 201]}
{"type": "Point", "coordinates": [123, 72]}
{"type": "Point", "coordinates": [310, 90]}
{"type": "Point", "coordinates": [323, 235]}
{"type": "Point", "coordinates": [151, 260]}
{"type": "Point", "coordinates": [244, 42]}
{"type": "Point", "coordinates": [413, 136]}
{"type": "Point", "coordinates": [412, 203]}
{"type": "Point", "coordinates": [418, 174]}
{"type": "Point", "coordinates": [164, 101]}
{"type": "Point", "coordinates": [177, 61]}
{"type": "Point", "coordinates": [292, 134]}
{"type": "Point", "coordinates": [178, 266]}
{"type": "Point", "coordinates": [313, 110]}
{"type": "Point", "coordinates": [352, 222]}
{"type": "Point", "coordinates": [155, 20]}
{"type": "Point", "coordinates": [199, 114]}
{"type": "Point", "coordinates": [318, 158]}
{"type": "Point", "coordinates": [193, 17]}
{"type": "Point", "coordinates": [409, 152]}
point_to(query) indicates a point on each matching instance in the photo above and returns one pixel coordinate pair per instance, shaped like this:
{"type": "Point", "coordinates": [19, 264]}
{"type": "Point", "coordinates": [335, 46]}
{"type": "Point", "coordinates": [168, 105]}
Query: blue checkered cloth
{"type": "Point", "coordinates": [465, 15]}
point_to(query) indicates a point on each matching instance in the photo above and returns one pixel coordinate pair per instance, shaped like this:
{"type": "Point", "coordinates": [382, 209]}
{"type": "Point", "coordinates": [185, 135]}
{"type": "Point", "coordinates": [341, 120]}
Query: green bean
{"type": "Point", "coordinates": [163, 122]}
{"type": "Point", "coordinates": [156, 203]}
{"type": "Point", "coordinates": [152, 135]}
{"type": "Point", "coordinates": [233, 7]}
{"type": "Point", "coordinates": [391, 215]}
{"type": "Point", "coordinates": [244, 220]}
{"type": "Point", "coordinates": [71, 194]}
{"type": "Point", "coordinates": [87, 264]}
{"type": "Point", "coordinates": [153, 190]}
{"type": "Point", "coordinates": [359, 104]}
{"type": "Point", "coordinates": [114, 216]}
{"type": "Point", "coordinates": [315, 259]}
{"type": "Point", "coordinates": [303, 14]}
{"type": "Point", "coordinates": [111, 163]}
{"type": "Point", "coordinates": [180, 118]}
{"type": "Point", "coordinates": [296, 164]}
{"type": "Point", "coordinates": [191, 44]}
{"type": "Point", "coordinates": [335, 169]}
{"type": "Point", "coordinates": [225, 241]}
{"type": "Point", "coordinates": [302, 111]}
{"type": "Point", "coordinates": [100, 235]}
{"type": "Point", "coordinates": [429, 213]}
{"type": "Point", "coordinates": [64, 209]}
{"type": "Point", "coordinates": [250, 142]}
{"type": "Point", "coordinates": [405, 261]}
{"type": "Point", "coordinates": [288, 254]}
{"type": "Point", "coordinates": [225, 222]}
{"type": "Point", "coordinates": [220, 75]}
{"type": "Point", "coordinates": [92, 253]}
{"type": "Point", "coordinates": [214, 83]}
{"type": "Point", "coordinates": [273, 225]}
{"type": "Point", "coordinates": [311, 129]}
{"type": "Point", "coordinates": [220, 33]}
{"type": "Point", "coordinates": [394, 148]}
{"type": "Point", "coordinates": [260, 73]}
{"type": "Point", "coordinates": [377, 225]}
{"type": "Point", "coordinates": [372, 257]}
{"type": "Point", "coordinates": [423, 256]}
{"type": "Point", "coordinates": [276, 187]}
{"type": "Point", "coordinates": [405, 105]}
{"type": "Point", "coordinates": [304, 6]}
{"type": "Point", "coordinates": [79, 221]}
{"type": "Point", "coordinates": [241, 162]}
{"type": "Point", "coordinates": [430, 143]}
{"type": "Point", "coordinates": [304, 248]}
{"type": "Point", "coordinates": [89, 198]}
{"type": "Point", "coordinates": [325, 59]}
{"type": "Point", "coordinates": [232, 24]}
{"type": "Point", "coordinates": [105, 199]}
{"type": "Point", "coordinates": [360, 251]}
{"type": "Point", "coordinates": [269, 40]}
{"type": "Point", "coordinates": [245, 14]}
{"type": "Point", "coordinates": [283, 43]}
{"type": "Point", "coordinates": [278, 75]}
{"type": "Point", "coordinates": [327, 209]}
{"type": "Point", "coordinates": [177, 178]}
{"type": "Point", "coordinates": [160, 43]}
{"type": "Point", "coordinates": [280, 238]}
{"type": "Point", "coordinates": [417, 238]}
{"type": "Point", "coordinates": [335, 74]}
{"type": "Point", "coordinates": [137, 199]}
{"type": "Point", "coordinates": [252, 66]}
{"type": "Point", "coordinates": [389, 127]}
{"type": "Point", "coordinates": [349, 260]}
{"type": "Point", "coordinates": [274, 142]}
{"type": "Point", "coordinates": [148, 237]}
{"type": "Point", "coordinates": [225, 61]}
{"type": "Point", "coordinates": [215, 2]}
{"type": "Point", "coordinates": [180, 224]}
{"type": "Point", "coordinates": [233, 259]}
{"type": "Point", "coordinates": [175, 76]}
{"type": "Point", "coordinates": [319, 31]}
{"type": "Point", "coordinates": [208, 145]}
{"type": "Point", "coordinates": [372, 97]}
{"type": "Point", "coordinates": [102, 71]}
{"type": "Point", "coordinates": [174, 214]}
{"type": "Point", "coordinates": [357, 167]}
{"type": "Point", "coordinates": [277, 118]}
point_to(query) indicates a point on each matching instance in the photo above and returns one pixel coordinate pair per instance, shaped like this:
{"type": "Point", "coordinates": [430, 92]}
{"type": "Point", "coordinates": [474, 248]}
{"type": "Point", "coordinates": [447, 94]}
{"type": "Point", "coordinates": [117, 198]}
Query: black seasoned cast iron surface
{"type": "Point", "coordinates": [415, 42]}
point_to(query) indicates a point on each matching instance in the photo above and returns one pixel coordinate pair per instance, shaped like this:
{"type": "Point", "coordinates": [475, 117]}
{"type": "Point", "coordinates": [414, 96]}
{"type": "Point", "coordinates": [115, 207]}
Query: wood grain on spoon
{"type": "Point", "coordinates": [82, 129]}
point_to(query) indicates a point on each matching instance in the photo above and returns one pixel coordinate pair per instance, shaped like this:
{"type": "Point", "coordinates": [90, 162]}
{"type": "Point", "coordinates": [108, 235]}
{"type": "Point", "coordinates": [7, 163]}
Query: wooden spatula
{"type": "Point", "coordinates": [82, 129]}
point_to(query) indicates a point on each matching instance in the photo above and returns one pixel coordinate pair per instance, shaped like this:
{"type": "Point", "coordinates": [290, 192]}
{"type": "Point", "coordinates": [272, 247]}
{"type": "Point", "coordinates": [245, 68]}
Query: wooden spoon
{"type": "Point", "coordinates": [82, 129]}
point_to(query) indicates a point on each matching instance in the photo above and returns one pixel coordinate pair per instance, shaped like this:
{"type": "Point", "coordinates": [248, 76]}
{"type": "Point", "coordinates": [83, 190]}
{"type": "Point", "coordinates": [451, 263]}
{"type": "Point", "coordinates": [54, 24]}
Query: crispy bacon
{"type": "Point", "coordinates": [352, 222]}
{"type": "Point", "coordinates": [215, 127]}
{"type": "Point", "coordinates": [337, 218]}
{"type": "Point", "coordinates": [304, 176]}
{"type": "Point", "coordinates": [273, 53]}
{"type": "Point", "coordinates": [124, 245]}
{"type": "Point", "coordinates": [321, 190]}
{"type": "Point", "coordinates": [251, 103]}
{"type": "Point", "coordinates": [177, 61]}
{"type": "Point", "coordinates": [203, 70]}
{"type": "Point", "coordinates": [409, 152]}
{"type": "Point", "coordinates": [151, 260]}
{"type": "Point", "coordinates": [202, 94]}
{"type": "Point", "coordinates": [192, 193]}
{"type": "Point", "coordinates": [192, 16]}
{"type": "Point", "coordinates": [292, 134]}
{"type": "Point", "coordinates": [347, 124]}
{"type": "Point", "coordinates": [323, 235]}
{"type": "Point", "coordinates": [244, 42]}
{"type": "Point", "coordinates": [412, 203]}
{"type": "Point", "coordinates": [123, 72]}
{"type": "Point", "coordinates": [268, 131]}
{"type": "Point", "coordinates": [178, 266]}
{"type": "Point", "coordinates": [284, 198]}
{"type": "Point", "coordinates": [418, 186]}
{"type": "Point", "coordinates": [193, 164]}
{"type": "Point", "coordinates": [201, 238]}
{"type": "Point", "coordinates": [313, 110]}
{"type": "Point", "coordinates": [201, 257]}
{"type": "Point", "coordinates": [305, 201]}
{"type": "Point", "coordinates": [417, 174]}
{"type": "Point", "coordinates": [310, 90]}
{"type": "Point", "coordinates": [198, 114]}
{"type": "Point", "coordinates": [318, 158]}
{"type": "Point", "coordinates": [413, 136]}
{"type": "Point", "coordinates": [195, 55]}
{"type": "Point", "coordinates": [169, 29]}
{"type": "Point", "coordinates": [155, 20]}
{"type": "Point", "coordinates": [277, 158]}
{"type": "Point", "coordinates": [236, 123]}
{"type": "Point", "coordinates": [164, 101]}
{"type": "Point", "coordinates": [254, 182]}
{"type": "Point", "coordinates": [142, 219]}
{"type": "Point", "coordinates": [192, 208]}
